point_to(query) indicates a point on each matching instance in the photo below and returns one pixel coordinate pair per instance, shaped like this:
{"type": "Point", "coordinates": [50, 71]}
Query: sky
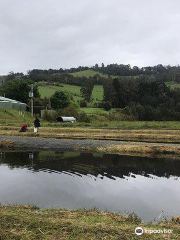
{"type": "Point", "coordinates": [45, 34]}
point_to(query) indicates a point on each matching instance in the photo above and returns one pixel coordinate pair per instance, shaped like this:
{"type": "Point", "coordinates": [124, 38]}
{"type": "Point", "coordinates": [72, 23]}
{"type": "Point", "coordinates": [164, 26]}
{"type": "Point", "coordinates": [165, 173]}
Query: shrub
{"type": "Point", "coordinates": [107, 105]}
{"type": "Point", "coordinates": [83, 117]}
{"type": "Point", "coordinates": [70, 111]}
{"type": "Point", "coordinates": [83, 104]}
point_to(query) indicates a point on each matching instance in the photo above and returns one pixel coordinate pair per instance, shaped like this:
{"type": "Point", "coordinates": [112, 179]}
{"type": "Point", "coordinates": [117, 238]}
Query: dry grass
{"type": "Point", "coordinates": [6, 145]}
{"type": "Point", "coordinates": [136, 149]}
{"type": "Point", "coordinates": [157, 136]}
{"type": "Point", "coordinates": [30, 223]}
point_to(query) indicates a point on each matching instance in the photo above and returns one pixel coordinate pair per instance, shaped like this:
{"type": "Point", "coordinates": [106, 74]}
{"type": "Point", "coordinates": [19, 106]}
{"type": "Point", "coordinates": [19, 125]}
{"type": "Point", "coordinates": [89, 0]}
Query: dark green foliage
{"type": "Point", "coordinates": [107, 105]}
{"type": "Point", "coordinates": [18, 89]}
{"type": "Point", "coordinates": [83, 117]}
{"type": "Point", "coordinates": [86, 90]}
{"type": "Point", "coordinates": [83, 104]}
{"type": "Point", "coordinates": [60, 100]}
{"type": "Point", "coordinates": [70, 111]}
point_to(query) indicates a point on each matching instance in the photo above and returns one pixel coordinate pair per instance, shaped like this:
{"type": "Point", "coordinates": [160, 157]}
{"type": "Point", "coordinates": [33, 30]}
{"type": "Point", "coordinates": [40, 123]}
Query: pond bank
{"type": "Point", "coordinates": [101, 146]}
{"type": "Point", "coordinates": [21, 222]}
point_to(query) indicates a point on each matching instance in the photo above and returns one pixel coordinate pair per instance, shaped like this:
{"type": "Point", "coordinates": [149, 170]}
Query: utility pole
{"type": "Point", "coordinates": [31, 95]}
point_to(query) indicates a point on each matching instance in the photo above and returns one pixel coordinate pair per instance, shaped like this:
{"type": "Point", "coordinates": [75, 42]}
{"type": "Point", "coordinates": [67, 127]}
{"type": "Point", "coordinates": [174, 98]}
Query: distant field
{"type": "Point", "coordinates": [98, 93]}
{"type": "Point", "coordinates": [49, 90]}
{"type": "Point", "coordinates": [173, 85]}
{"type": "Point", "coordinates": [89, 73]}
{"type": "Point", "coordinates": [91, 111]}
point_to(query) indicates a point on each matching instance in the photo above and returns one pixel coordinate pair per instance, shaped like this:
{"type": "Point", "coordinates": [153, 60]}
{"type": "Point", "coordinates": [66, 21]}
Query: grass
{"type": "Point", "coordinates": [30, 223]}
{"type": "Point", "coordinates": [9, 116]}
{"type": "Point", "coordinates": [98, 93]}
{"type": "Point", "coordinates": [48, 90]}
{"type": "Point", "coordinates": [142, 150]}
{"type": "Point", "coordinates": [173, 85]}
{"type": "Point", "coordinates": [92, 111]}
{"type": "Point", "coordinates": [58, 131]}
{"type": "Point", "coordinates": [6, 145]}
{"type": "Point", "coordinates": [90, 73]}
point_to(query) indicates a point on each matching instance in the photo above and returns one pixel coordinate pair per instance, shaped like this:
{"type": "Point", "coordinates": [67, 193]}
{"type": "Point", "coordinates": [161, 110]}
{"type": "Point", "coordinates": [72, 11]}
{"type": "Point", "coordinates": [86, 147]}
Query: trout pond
{"type": "Point", "coordinates": [148, 187]}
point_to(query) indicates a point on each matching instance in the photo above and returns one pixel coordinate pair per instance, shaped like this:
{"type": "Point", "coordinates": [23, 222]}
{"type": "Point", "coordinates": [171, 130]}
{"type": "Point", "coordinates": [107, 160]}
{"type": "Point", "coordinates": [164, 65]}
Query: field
{"type": "Point", "coordinates": [48, 90]}
{"type": "Point", "coordinates": [173, 85]}
{"type": "Point", "coordinates": [88, 73]}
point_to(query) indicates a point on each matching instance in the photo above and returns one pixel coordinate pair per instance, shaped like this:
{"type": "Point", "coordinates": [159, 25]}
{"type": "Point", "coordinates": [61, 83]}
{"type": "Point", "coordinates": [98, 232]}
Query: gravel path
{"type": "Point", "coordinates": [68, 144]}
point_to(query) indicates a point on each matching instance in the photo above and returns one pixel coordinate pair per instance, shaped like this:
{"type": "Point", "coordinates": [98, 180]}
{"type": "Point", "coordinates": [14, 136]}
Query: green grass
{"type": "Point", "coordinates": [30, 223]}
{"type": "Point", "coordinates": [89, 73]}
{"type": "Point", "coordinates": [48, 90]}
{"type": "Point", "coordinates": [98, 93]}
{"type": "Point", "coordinates": [92, 111]}
{"type": "Point", "coordinates": [9, 116]}
{"type": "Point", "coordinates": [173, 85]}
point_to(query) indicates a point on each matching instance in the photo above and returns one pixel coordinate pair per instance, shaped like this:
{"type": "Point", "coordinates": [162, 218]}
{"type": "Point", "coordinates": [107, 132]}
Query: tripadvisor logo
{"type": "Point", "coordinates": [138, 231]}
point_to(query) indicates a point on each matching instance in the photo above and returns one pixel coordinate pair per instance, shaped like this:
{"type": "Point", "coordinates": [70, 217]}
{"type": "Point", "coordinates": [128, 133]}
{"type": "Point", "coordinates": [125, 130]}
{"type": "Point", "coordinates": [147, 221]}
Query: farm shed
{"type": "Point", "coordinates": [66, 119]}
{"type": "Point", "coordinates": [8, 103]}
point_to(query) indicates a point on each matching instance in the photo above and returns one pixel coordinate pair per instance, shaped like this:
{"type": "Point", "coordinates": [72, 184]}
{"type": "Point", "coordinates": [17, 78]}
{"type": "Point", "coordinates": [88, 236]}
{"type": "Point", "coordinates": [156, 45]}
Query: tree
{"type": "Point", "coordinates": [86, 90]}
{"type": "Point", "coordinates": [18, 89]}
{"type": "Point", "coordinates": [60, 100]}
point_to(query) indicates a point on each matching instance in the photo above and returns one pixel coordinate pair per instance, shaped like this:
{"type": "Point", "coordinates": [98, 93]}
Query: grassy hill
{"type": "Point", "coordinates": [89, 73]}
{"type": "Point", "coordinates": [173, 85]}
{"type": "Point", "coordinates": [11, 116]}
{"type": "Point", "coordinates": [49, 90]}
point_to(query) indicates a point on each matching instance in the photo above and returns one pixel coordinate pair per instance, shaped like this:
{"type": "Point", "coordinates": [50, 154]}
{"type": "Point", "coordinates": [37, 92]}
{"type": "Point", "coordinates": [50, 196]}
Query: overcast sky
{"type": "Point", "coordinates": [68, 33]}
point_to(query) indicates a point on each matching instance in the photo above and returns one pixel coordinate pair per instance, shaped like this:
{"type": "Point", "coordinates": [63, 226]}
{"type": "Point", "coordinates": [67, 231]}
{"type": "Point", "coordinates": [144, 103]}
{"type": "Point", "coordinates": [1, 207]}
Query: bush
{"type": "Point", "coordinates": [107, 105]}
{"type": "Point", "coordinates": [83, 117]}
{"type": "Point", "coordinates": [83, 104]}
{"type": "Point", "coordinates": [49, 116]}
{"type": "Point", "coordinates": [70, 111]}
{"type": "Point", "coordinates": [60, 100]}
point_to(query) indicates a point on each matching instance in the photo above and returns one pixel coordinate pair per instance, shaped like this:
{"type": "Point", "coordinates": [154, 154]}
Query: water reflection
{"type": "Point", "coordinates": [110, 166]}
{"type": "Point", "coordinates": [146, 186]}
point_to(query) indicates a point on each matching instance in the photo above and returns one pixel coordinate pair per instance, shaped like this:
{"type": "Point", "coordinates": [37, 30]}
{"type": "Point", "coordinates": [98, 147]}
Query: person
{"type": "Point", "coordinates": [24, 128]}
{"type": "Point", "coordinates": [36, 125]}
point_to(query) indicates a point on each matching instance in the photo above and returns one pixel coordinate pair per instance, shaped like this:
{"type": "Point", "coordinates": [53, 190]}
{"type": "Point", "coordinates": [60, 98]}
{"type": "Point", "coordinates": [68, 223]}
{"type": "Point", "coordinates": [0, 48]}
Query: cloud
{"type": "Point", "coordinates": [68, 33]}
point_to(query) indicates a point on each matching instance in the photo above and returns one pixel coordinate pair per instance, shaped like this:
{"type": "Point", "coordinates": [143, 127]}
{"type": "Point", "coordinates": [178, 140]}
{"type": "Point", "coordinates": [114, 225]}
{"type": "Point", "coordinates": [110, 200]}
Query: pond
{"type": "Point", "coordinates": [149, 187]}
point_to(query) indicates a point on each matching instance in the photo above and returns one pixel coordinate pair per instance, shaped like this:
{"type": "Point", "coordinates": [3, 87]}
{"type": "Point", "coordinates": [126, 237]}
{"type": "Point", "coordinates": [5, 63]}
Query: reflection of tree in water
{"type": "Point", "coordinates": [74, 163]}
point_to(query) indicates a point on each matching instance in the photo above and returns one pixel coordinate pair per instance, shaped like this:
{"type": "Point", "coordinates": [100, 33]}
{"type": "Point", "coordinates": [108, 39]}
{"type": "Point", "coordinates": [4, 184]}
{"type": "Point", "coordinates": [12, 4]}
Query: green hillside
{"type": "Point", "coordinates": [49, 90]}
{"type": "Point", "coordinates": [12, 116]}
{"type": "Point", "coordinates": [173, 85]}
{"type": "Point", "coordinates": [89, 73]}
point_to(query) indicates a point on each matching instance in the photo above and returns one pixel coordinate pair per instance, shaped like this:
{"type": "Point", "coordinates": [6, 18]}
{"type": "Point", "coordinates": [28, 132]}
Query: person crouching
{"type": "Point", "coordinates": [24, 128]}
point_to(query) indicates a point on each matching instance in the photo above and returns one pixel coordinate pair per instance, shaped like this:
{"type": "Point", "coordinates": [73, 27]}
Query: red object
{"type": "Point", "coordinates": [24, 127]}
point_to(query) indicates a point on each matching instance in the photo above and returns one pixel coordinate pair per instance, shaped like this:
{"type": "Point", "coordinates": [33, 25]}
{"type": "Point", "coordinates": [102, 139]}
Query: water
{"type": "Point", "coordinates": [146, 186]}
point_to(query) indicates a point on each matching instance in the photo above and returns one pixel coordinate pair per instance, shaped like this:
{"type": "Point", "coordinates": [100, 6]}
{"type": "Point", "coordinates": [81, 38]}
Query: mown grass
{"type": "Point", "coordinates": [24, 223]}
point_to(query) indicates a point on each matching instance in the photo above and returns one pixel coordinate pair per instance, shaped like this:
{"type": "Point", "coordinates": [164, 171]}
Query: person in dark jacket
{"type": "Point", "coordinates": [36, 125]}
